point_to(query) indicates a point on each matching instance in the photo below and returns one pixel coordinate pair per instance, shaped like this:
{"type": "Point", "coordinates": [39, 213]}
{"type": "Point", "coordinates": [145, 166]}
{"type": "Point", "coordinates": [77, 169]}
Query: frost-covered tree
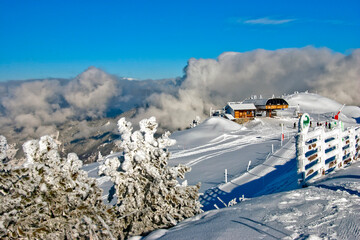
{"type": "Point", "coordinates": [3, 148]}
{"type": "Point", "coordinates": [52, 198]}
{"type": "Point", "coordinates": [148, 192]}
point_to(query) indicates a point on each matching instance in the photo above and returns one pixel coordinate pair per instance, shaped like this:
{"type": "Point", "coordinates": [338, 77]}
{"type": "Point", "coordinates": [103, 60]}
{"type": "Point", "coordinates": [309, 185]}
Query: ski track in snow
{"type": "Point", "coordinates": [224, 144]}
{"type": "Point", "coordinates": [263, 167]}
{"type": "Point", "coordinates": [277, 173]}
{"type": "Point", "coordinates": [320, 212]}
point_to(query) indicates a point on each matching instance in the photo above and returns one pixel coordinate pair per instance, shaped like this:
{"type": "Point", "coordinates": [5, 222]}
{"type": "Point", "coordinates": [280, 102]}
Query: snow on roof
{"type": "Point", "coordinates": [241, 106]}
{"type": "Point", "coordinates": [266, 101]}
{"type": "Point", "coordinates": [257, 102]}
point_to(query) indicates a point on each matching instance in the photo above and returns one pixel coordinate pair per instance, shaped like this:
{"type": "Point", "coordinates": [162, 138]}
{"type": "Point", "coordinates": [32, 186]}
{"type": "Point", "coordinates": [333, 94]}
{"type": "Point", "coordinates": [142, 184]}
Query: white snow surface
{"type": "Point", "coordinates": [322, 107]}
{"type": "Point", "coordinates": [274, 206]}
{"type": "Point", "coordinates": [327, 210]}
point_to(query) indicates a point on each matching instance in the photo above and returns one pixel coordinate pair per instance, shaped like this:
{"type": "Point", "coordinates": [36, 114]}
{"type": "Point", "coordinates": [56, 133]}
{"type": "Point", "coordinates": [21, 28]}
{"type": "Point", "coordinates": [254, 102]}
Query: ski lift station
{"type": "Point", "coordinates": [268, 106]}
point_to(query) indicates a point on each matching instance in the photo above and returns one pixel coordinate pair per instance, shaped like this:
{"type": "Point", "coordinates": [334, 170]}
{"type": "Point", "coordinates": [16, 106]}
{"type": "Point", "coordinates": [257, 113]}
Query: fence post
{"type": "Point", "coordinates": [248, 166]}
{"type": "Point", "coordinates": [226, 180]}
{"type": "Point", "coordinates": [340, 145]}
{"type": "Point", "coordinates": [322, 155]}
{"type": "Point", "coordinates": [300, 156]}
{"type": "Point", "coordinates": [352, 140]}
{"type": "Point", "coordinates": [303, 128]}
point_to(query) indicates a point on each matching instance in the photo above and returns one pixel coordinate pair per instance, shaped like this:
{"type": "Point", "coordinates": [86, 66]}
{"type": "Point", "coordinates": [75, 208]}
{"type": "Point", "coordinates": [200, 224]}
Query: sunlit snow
{"type": "Point", "coordinates": [262, 180]}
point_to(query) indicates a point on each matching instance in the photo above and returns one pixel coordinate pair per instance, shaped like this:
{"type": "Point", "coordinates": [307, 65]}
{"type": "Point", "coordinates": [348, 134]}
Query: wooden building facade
{"type": "Point", "coordinates": [269, 105]}
{"type": "Point", "coordinates": [238, 110]}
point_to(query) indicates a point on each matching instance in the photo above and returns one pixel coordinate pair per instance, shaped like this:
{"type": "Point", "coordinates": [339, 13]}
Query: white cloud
{"type": "Point", "coordinates": [236, 76]}
{"type": "Point", "coordinates": [90, 93]}
{"type": "Point", "coordinates": [39, 106]}
{"type": "Point", "coordinates": [36, 107]}
{"type": "Point", "coordinates": [268, 21]}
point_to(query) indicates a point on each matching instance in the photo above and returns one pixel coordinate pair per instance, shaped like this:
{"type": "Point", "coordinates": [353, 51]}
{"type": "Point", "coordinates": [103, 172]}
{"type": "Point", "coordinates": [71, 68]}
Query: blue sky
{"type": "Point", "coordinates": [154, 39]}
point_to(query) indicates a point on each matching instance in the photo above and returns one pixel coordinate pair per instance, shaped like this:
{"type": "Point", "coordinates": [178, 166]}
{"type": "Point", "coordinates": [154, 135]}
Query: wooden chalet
{"type": "Point", "coordinates": [237, 110]}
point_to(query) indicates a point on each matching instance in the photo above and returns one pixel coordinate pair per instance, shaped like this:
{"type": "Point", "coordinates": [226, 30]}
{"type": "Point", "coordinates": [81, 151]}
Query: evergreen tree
{"type": "Point", "coordinates": [3, 148]}
{"type": "Point", "coordinates": [51, 198]}
{"type": "Point", "coordinates": [149, 195]}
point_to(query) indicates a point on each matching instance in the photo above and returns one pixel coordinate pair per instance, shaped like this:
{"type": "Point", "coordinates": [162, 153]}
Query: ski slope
{"type": "Point", "coordinates": [227, 145]}
{"type": "Point", "coordinates": [274, 206]}
{"type": "Point", "coordinates": [326, 210]}
{"type": "Point", "coordinates": [269, 202]}
{"type": "Point", "coordinates": [220, 144]}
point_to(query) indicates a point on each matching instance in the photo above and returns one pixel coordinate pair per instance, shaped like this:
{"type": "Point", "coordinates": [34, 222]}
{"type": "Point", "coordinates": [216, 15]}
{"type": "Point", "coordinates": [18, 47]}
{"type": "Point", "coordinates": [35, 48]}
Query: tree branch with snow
{"type": "Point", "coordinates": [149, 194]}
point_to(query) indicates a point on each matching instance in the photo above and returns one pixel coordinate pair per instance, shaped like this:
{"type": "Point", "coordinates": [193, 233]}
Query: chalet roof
{"type": "Point", "coordinates": [256, 102]}
{"type": "Point", "coordinates": [241, 106]}
{"type": "Point", "coordinates": [266, 101]}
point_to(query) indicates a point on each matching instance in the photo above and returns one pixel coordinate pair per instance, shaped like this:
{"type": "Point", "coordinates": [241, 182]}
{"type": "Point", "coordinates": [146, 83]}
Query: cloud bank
{"type": "Point", "coordinates": [235, 76]}
{"type": "Point", "coordinates": [37, 107]}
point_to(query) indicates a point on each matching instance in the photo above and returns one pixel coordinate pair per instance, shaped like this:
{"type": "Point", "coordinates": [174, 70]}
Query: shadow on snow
{"type": "Point", "coordinates": [283, 178]}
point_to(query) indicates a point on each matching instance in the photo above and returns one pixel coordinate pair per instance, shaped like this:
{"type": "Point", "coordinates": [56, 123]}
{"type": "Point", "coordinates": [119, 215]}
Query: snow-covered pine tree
{"type": "Point", "coordinates": [149, 194]}
{"type": "Point", "coordinates": [51, 198]}
{"type": "Point", "coordinates": [3, 148]}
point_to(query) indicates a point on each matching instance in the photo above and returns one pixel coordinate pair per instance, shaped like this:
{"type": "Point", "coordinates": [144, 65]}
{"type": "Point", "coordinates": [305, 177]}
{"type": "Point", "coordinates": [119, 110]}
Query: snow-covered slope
{"type": "Point", "coordinates": [218, 144]}
{"type": "Point", "coordinates": [275, 207]}
{"type": "Point", "coordinates": [318, 105]}
{"type": "Point", "coordinates": [327, 210]}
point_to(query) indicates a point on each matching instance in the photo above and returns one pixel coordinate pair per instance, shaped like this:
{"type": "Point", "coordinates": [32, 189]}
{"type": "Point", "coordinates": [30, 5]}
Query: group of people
{"type": "Point", "coordinates": [327, 124]}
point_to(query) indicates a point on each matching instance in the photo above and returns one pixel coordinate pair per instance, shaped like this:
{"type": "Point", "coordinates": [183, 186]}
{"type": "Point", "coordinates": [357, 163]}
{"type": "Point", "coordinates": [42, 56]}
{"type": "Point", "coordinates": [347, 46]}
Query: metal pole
{"type": "Point", "coordinates": [226, 175]}
{"type": "Point", "coordinates": [248, 166]}
{"type": "Point", "coordinates": [282, 133]}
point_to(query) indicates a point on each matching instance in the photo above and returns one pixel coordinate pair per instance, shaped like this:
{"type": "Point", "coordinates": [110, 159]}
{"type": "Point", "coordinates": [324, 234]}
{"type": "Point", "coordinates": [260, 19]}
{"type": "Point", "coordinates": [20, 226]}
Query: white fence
{"type": "Point", "coordinates": [323, 150]}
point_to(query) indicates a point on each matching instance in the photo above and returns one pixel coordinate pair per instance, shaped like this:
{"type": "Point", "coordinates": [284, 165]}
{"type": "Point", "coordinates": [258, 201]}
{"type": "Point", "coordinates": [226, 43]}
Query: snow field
{"type": "Point", "coordinates": [328, 210]}
{"type": "Point", "coordinates": [278, 209]}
